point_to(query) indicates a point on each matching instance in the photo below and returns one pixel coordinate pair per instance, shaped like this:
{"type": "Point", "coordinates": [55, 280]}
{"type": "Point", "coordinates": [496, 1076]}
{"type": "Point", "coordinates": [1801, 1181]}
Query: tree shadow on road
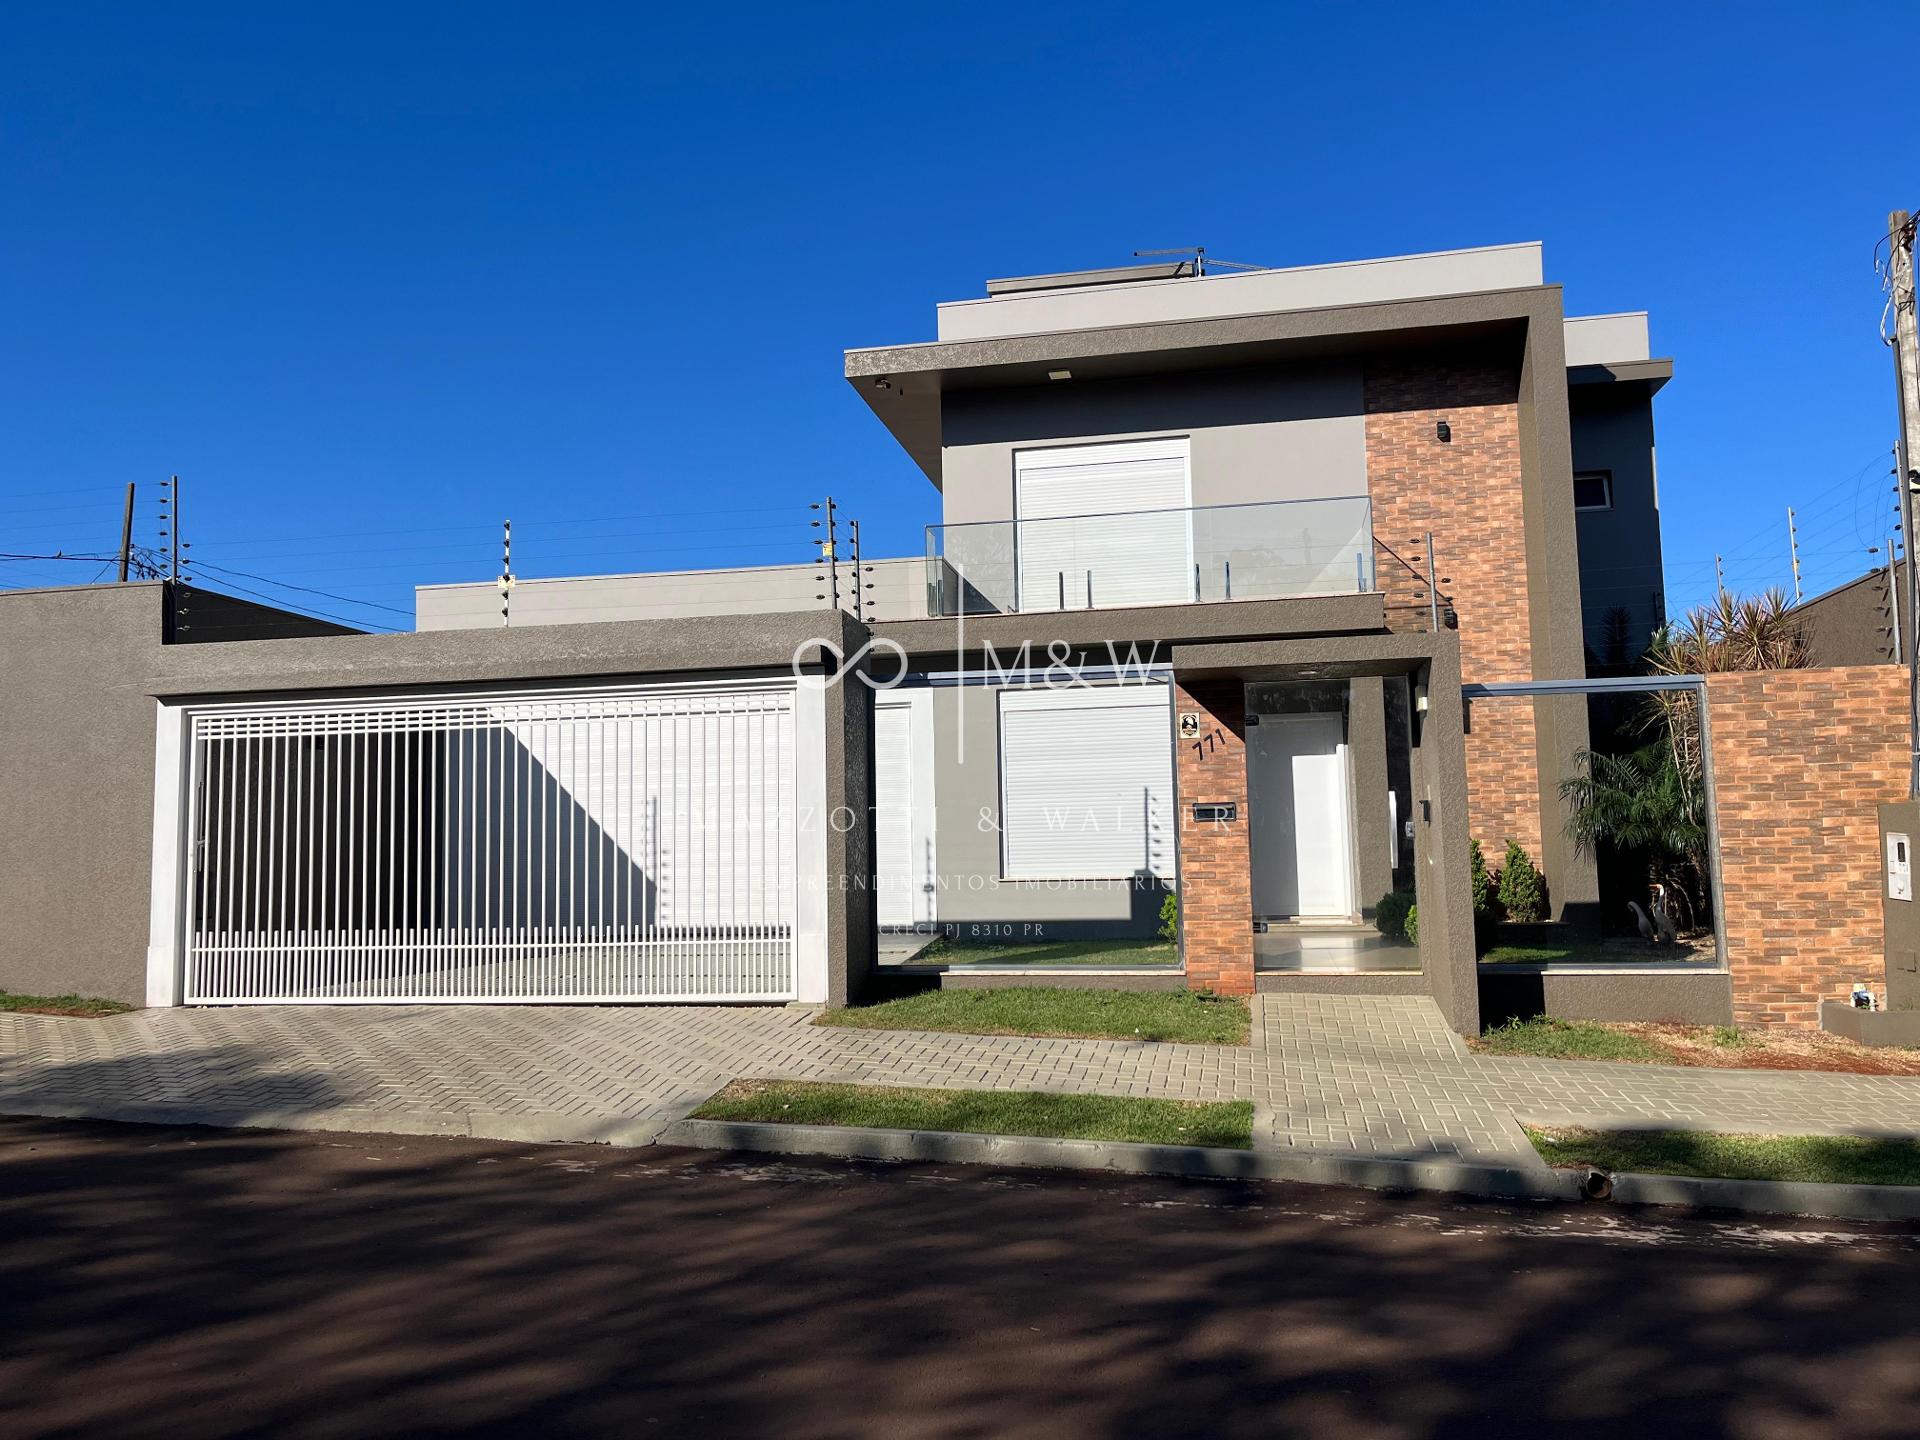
{"type": "Point", "coordinates": [172, 1280]}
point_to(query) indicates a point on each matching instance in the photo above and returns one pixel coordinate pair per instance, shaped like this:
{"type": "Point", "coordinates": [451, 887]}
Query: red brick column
{"type": "Point", "coordinates": [1216, 872]}
{"type": "Point", "coordinates": [1802, 760]}
{"type": "Point", "coordinates": [1467, 491]}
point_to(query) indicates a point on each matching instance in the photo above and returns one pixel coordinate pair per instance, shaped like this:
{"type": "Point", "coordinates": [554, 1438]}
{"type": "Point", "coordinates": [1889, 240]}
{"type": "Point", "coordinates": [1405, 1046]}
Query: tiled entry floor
{"type": "Point", "coordinates": [1337, 950]}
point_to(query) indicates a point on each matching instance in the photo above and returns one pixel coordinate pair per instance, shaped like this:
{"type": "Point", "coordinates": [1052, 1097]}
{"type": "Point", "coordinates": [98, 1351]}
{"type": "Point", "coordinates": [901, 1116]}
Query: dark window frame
{"type": "Point", "coordinates": [1605, 477]}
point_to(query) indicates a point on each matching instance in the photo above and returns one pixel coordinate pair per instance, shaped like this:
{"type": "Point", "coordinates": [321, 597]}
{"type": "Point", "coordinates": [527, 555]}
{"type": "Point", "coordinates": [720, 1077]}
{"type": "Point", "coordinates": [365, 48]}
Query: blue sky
{"type": "Point", "coordinates": [372, 278]}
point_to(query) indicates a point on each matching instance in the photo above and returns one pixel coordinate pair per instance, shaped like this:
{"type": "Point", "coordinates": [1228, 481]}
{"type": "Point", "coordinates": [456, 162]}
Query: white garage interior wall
{"type": "Point", "coordinates": [905, 873]}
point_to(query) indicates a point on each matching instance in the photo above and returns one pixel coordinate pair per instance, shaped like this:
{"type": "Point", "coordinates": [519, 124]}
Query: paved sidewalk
{"type": "Point", "coordinates": [1379, 1077]}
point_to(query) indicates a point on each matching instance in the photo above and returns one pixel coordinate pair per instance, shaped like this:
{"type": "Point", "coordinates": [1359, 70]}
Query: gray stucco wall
{"type": "Point", "coordinates": [1852, 625]}
{"type": "Point", "coordinates": [84, 667]}
{"type": "Point", "coordinates": [1261, 434]}
{"type": "Point", "coordinates": [76, 764]}
{"type": "Point", "coordinates": [973, 902]}
{"type": "Point", "coordinates": [1620, 567]}
{"type": "Point", "coordinates": [1701, 998]}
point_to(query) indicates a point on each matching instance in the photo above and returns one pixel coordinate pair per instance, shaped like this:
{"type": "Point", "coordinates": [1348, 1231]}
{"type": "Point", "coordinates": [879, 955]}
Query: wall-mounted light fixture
{"type": "Point", "coordinates": [881, 382]}
{"type": "Point", "coordinates": [1445, 432]}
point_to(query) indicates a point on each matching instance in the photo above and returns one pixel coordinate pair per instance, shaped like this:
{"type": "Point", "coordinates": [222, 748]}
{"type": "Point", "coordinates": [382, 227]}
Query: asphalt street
{"type": "Point", "coordinates": [161, 1281]}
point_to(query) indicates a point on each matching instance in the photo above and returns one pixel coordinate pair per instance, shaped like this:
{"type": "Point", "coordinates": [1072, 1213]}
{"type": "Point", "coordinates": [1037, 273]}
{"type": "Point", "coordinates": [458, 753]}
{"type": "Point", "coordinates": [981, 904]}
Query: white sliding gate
{"type": "Point", "coordinates": [604, 845]}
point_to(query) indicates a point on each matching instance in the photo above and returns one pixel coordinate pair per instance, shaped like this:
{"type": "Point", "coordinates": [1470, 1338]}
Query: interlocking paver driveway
{"type": "Point", "coordinates": [1375, 1076]}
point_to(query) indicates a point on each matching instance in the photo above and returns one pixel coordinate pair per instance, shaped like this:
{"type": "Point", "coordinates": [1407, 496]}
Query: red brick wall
{"type": "Point", "coordinates": [1467, 492]}
{"type": "Point", "coordinates": [1216, 873]}
{"type": "Point", "coordinates": [1802, 759]}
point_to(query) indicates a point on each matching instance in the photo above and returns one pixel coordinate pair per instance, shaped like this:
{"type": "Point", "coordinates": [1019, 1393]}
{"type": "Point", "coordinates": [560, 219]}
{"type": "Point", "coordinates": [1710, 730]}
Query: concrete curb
{"type": "Point", "coordinates": [1191, 1161]}
{"type": "Point", "coordinates": [1771, 1197]}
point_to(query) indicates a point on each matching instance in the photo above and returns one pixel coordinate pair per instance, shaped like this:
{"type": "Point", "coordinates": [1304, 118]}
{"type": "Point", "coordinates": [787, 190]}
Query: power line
{"type": "Point", "coordinates": [304, 589]}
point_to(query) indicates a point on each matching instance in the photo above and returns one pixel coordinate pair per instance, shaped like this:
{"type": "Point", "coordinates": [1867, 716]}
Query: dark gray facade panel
{"type": "Point", "coordinates": [1622, 585]}
{"type": "Point", "coordinates": [1697, 998]}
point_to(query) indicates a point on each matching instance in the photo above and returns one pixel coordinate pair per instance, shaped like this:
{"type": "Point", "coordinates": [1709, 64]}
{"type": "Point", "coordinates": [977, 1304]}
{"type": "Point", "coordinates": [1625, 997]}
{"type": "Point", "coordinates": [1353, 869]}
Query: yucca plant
{"type": "Point", "coordinates": [1753, 632]}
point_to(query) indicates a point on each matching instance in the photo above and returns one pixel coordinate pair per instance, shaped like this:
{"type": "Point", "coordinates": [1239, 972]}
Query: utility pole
{"type": "Point", "coordinates": [126, 535]}
{"type": "Point", "coordinates": [1793, 549]}
{"type": "Point", "coordinates": [506, 571]}
{"type": "Point", "coordinates": [828, 547]}
{"type": "Point", "coordinates": [1906, 372]}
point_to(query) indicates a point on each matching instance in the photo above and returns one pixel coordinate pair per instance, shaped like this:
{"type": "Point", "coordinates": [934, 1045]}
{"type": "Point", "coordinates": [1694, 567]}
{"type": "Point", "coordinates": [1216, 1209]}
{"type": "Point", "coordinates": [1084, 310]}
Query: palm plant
{"type": "Point", "coordinates": [1652, 800]}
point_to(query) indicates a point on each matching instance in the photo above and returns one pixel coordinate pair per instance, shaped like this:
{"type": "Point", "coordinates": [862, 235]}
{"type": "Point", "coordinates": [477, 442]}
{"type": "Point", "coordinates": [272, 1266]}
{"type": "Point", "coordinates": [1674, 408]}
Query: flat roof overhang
{"type": "Point", "coordinates": [1314, 657]}
{"type": "Point", "coordinates": [903, 384]}
{"type": "Point", "coordinates": [1649, 373]}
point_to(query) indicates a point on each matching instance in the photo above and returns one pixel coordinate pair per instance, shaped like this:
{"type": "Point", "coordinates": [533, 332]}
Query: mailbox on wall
{"type": "Point", "coordinates": [1213, 813]}
{"type": "Point", "coordinates": [1899, 866]}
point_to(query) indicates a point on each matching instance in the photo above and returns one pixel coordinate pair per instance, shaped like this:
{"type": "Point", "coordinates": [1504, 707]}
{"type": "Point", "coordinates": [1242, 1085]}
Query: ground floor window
{"type": "Point", "coordinates": [1086, 783]}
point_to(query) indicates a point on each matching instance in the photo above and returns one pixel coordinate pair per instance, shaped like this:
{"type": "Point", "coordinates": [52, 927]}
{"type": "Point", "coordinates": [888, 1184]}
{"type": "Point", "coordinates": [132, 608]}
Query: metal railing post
{"type": "Point", "coordinates": [1196, 580]}
{"type": "Point", "coordinates": [1433, 587]}
{"type": "Point", "coordinates": [1226, 567]}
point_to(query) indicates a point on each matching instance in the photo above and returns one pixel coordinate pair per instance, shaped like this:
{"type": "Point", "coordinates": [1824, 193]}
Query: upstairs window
{"type": "Point", "coordinates": [1593, 490]}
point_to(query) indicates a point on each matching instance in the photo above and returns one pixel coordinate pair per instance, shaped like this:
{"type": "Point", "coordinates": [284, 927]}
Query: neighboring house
{"type": "Point", "coordinates": [1855, 624]}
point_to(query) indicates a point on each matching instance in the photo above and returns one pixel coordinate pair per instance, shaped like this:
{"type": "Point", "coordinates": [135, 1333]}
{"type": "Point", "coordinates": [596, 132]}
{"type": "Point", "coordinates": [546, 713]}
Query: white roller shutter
{"type": "Point", "coordinates": [1081, 535]}
{"type": "Point", "coordinates": [1086, 783]}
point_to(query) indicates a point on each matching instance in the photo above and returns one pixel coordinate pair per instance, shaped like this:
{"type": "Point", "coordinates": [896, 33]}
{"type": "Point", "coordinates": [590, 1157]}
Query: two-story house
{"type": "Point", "coordinates": [1145, 476]}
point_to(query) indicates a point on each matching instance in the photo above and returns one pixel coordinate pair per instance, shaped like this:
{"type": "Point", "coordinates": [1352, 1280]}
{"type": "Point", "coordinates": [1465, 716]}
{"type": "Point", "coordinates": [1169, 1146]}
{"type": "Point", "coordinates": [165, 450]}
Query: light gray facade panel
{"type": "Point", "coordinates": [899, 592]}
{"type": "Point", "coordinates": [973, 901]}
{"type": "Point", "coordinates": [1256, 435]}
{"type": "Point", "coordinates": [1306, 287]}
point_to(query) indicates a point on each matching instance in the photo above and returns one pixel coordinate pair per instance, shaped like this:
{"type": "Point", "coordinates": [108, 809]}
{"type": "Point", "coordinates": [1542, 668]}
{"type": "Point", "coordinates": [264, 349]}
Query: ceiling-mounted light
{"type": "Point", "coordinates": [1059, 374]}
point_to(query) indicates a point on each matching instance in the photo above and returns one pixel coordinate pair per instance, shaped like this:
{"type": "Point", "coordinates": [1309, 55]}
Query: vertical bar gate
{"type": "Point", "coordinates": [607, 845]}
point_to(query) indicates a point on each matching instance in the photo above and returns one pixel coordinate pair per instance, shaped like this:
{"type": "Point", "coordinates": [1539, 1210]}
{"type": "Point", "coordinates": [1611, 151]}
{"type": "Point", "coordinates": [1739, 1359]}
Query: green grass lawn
{"type": "Point", "coordinates": [85, 1005]}
{"type": "Point", "coordinates": [1835, 1159]}
{"type": "Point", "coordinates": [1178, 1015]}
{"type": "Point", "coordinates": [987, 1112]}
{"type": "Point", "coordinates": [1051, 952]}
{"type": "Point", "coordinates": [1549, 1039]}
{"type": "Point", "coordinates": [1593, 954]}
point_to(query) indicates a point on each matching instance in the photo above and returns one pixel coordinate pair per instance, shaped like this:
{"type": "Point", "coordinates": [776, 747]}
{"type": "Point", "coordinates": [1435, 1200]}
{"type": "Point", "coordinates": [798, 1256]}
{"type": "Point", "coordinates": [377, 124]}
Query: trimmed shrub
{"type": "Point", "coordinates": [1170, 918]}
{"type": "Point", "coordinates": [1390, 915]}
{"type": "Point", "coordinates": [1485, 884]}
{"type": "Point", "coordinates": [1413, 923]}
{"type": "Point", "coordinates": [1522, 890]}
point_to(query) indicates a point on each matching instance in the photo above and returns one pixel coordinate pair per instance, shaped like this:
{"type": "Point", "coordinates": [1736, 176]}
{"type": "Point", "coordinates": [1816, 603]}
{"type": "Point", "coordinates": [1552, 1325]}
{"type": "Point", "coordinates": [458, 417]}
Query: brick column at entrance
{"type": "Point", "coordinates": [1216, 875]}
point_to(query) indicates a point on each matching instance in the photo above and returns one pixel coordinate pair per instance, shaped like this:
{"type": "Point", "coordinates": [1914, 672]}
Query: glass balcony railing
{"type": "Point", "coordinates": [1152, 557]}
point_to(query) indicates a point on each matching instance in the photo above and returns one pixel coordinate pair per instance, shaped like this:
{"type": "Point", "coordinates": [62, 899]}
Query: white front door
{"type": "Point", "coordinates": [1301, 834]}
